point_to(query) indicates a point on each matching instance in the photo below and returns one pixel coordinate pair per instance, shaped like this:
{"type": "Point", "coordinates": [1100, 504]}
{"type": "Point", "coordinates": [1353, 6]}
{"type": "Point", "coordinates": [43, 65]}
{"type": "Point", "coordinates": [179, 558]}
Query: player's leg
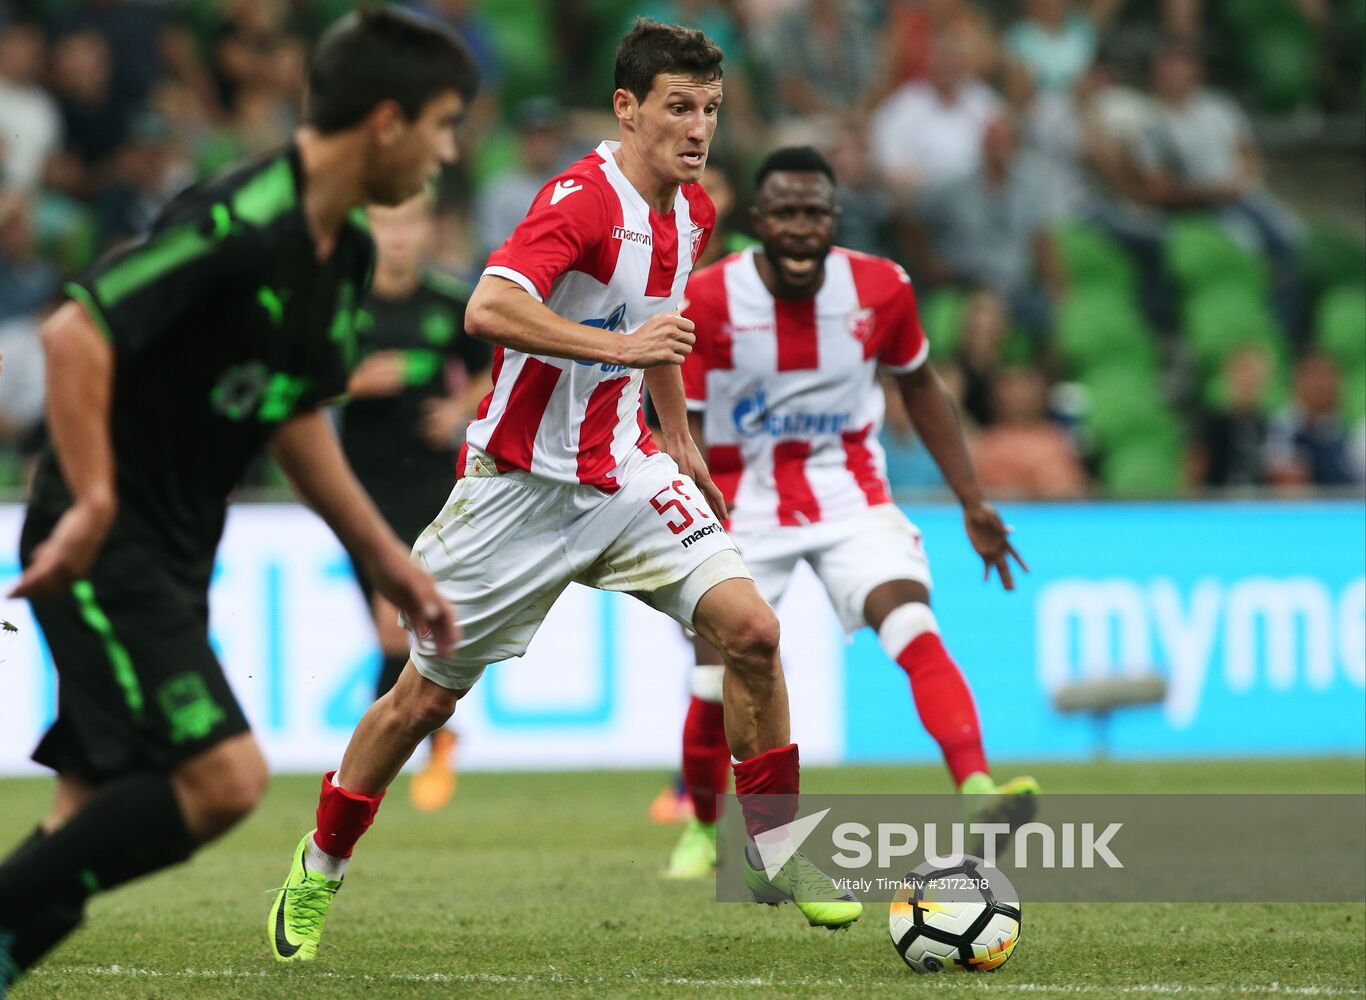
{"type": "Point", "coordinates": [705, 765]}
{"type": "Point", "coordinates": [496, 558]}
{"type": "Point", "coordinates": [706, 754]}
{"type": "Point", "coordinates": [391, 729]}
{"type": "Point", "coordinates": [899, 611]}
{"type": "Point", "coordinates": [434, 785]}
{"type": "Point", "coordinates": [144, 708]}
{"type": "Point", "coordinates": [735, 618]}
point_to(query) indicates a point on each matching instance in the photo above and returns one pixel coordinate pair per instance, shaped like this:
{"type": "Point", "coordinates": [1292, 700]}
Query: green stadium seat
{"type": "Point", "coordinates": [1124, 407]}
{"type": "Point", "coordinates": [524, 33]}
{"type": "Point", "coordinates": [941, 314]}
{"type": "Point", "coordinates": [1096, 326]}
{"type": "Point", "coordinates": [1281, 62]}
{"type": "Point", "coordinates": [1200, 253]}
{"type": "Point", "coordinates": [1149, 468]}
{"type": "Point", "coordinates": [1332, 256]}
{"type": "Point", "coordinates": [1094, 260]}
{"type": "Point", "coordinates": [1341, 326]}
{"type": "Point", "coordinates": [1354, 395]}
{"type": "Point", "coordinates": [1223, 318]}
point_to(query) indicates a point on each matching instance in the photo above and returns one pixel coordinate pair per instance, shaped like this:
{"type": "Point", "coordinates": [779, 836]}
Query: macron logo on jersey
{"type": "Point", "coordinates": [563, 189]}
{"type": "Point", "coordinates": [630, 236]}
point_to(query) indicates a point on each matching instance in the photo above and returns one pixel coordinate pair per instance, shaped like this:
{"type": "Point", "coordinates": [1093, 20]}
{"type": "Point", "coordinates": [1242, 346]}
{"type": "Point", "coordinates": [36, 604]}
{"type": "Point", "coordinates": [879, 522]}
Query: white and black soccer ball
{"type": "Point", "coordinates": [964, 917]}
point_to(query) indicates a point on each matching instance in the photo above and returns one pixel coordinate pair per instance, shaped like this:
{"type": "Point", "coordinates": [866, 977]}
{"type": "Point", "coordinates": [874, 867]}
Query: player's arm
{"type": "Point", "coordinates": [666, 390]}
{"type": "Point", "coordinates": [503, 312]}
{"type": "Point", "coordinates": [935, 418]}
{"type": "Point", "coordinates": [80, 379]}
{"type": "Point", "coordinates": [307, 450]}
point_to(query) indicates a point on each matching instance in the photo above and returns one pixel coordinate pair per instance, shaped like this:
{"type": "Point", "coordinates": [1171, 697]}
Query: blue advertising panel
{"type": "Point", "coordinates": [1253, 612]}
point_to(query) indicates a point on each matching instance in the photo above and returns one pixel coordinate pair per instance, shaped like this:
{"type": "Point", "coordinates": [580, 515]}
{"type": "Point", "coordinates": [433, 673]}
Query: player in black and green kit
{"type": "Point", "coordinates": [417, 386]}
{"type": "Point", "coordinates": [178, 359]}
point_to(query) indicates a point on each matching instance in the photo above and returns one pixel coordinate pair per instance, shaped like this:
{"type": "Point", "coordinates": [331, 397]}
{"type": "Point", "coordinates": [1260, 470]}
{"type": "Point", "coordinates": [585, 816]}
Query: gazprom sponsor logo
{"type": "Point", "coordinates": [752, 418]}
{"type": "Point", "coordinates": [614, 321]}
{"type": "Point", "coordinates": [1277, 633]}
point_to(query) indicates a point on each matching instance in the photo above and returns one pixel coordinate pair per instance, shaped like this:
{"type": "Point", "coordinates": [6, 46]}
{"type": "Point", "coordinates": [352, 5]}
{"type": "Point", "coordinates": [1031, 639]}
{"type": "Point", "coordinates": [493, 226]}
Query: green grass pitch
{"type": "Point", "coordinates": [535, 884]}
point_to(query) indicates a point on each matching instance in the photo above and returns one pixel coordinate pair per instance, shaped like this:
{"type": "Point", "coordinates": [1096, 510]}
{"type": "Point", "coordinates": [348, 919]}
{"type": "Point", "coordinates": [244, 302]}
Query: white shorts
{"type": "Point", "coordinates": [851, 555]}
{"type": "Point", "coordinates": [505, 547]}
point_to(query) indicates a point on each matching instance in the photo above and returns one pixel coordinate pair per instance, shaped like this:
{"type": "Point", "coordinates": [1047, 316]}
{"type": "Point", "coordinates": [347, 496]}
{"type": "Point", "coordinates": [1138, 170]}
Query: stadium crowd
{"type": "Point", "coordinates": [1121, 304]}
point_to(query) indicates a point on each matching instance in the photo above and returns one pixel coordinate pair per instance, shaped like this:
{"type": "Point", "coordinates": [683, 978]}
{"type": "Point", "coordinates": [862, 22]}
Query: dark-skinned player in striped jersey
{"type": "Point", "coordinates": [178, 359]}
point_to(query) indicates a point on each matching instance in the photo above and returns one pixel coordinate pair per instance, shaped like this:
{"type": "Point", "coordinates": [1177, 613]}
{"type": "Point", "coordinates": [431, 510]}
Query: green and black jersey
{"type": "Point", "coordinates": [224, 323]}
{"type": "Point", "coordinates": [382, 435]}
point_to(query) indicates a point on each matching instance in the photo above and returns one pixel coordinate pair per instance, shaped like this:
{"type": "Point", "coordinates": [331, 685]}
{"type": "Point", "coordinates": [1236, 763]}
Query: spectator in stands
{"type": "Point", "coordinates": [1053, 45]}
{"type": "Point", "coordinates": [94, 120]}
{"type": "Point", "coordinates": [1308, 438]}
{"type": "Point", "coordinates": [27, 280]}
{"type": "Point", "coordinates": [985, 326]}
{"type": "Point", "coordinates": [930, 133]}
{"type": "Point", "coordinates": [30, 121]}
{"type": "Point", "coordinates": [1198, 153]}
{"type": "Point", "coordinates": [1023, 453]}
{"type": "Point", "coordinates": [1231, 445]}
{"type": "Point", "coordinates": [867, 219]}
{"type": "Point", "coordinates": [994, 227]}
{"type": "Point", "coordinates": [822, 59]}
{"type": "Point", "coordinates": [543, 151]}
{"type": "Point", "coordinates": [911, 29]}
{"type": "Point", "coordinates": [249, 46]}
{"type": "Point", "coordinates": [146, 173]}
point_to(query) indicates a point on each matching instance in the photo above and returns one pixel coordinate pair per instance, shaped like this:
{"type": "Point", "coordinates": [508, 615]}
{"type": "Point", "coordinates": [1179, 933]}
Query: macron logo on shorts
{"type": "Point", "coordinates": [700, 534]}
{"type": "Point", "coordinates": [563, 189]}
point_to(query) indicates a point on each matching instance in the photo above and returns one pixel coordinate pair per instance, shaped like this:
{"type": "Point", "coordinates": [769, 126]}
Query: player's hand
{"type": "Point", "coordinates": [68, 553]}
{"type": "Point", "coordinates": [383, 373]}
{"type": "Point", "coordinates": [990, 537]}
{"type": "Point", "coordinates": [665, 339]}
{"type": "Point", "coordinates": [688, 456]}
{"type": "Point", "coordinates": [413, 592]}
{"type": "Point", "coordinates": [441, 419]}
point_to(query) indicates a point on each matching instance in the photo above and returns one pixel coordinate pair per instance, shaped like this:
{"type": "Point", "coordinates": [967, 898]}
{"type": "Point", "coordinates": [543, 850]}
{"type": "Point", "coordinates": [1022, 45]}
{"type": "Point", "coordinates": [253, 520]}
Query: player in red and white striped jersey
{"type": "Point", "coordinates": [562, 482]}
{"type": "Point", "coordinates": [783, 387]}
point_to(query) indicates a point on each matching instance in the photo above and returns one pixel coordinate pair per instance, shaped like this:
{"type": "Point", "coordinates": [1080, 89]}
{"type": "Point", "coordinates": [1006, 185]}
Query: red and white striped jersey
{"type": "Point", "coordinates": [592, 250]}
{"type": "Point", "coordinates": [788, 387]}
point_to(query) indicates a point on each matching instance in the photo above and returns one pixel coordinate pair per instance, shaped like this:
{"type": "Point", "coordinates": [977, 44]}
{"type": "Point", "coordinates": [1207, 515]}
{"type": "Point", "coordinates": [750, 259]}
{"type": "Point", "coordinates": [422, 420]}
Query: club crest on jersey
{"type": "Point", "coordinates": [697, 233]}
{"type": "Point", "coordinates": [861, 325]}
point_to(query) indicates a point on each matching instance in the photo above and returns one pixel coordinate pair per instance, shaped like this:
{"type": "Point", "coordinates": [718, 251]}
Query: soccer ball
{"type": "Point", "coordinates": [966, 917]}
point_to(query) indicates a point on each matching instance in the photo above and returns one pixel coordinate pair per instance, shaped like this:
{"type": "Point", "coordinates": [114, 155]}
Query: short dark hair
{"type": "Point", "coordinates": [651, 48]}
{"type": "Point", "coordinates": [793, 159]}
{"type": "Point", "coordinates": [383, 54]}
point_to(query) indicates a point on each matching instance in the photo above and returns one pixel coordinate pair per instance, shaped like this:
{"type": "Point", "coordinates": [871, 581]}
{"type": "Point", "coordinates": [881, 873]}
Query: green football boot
{"type": "Point", "coordinates": [694, 856]}
{"type": "Point", "coordinates": [1014, 803]}
{"type": "Point", "coordinates": [296, 919]}
{"type": "Point", "coordinates": [798, 881]}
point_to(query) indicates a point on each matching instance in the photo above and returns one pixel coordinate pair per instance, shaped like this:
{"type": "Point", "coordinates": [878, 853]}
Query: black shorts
{"type": "Point", "coordinates": [138, 686]}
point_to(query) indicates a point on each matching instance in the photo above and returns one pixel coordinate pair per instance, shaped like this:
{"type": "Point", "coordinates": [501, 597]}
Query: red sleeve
{"type": "Point", "coordinates": [898, 340]}
{"type": "Point", "coordinates": [568, 228]}
{"type": "Point", "coordinates": [705, 304]}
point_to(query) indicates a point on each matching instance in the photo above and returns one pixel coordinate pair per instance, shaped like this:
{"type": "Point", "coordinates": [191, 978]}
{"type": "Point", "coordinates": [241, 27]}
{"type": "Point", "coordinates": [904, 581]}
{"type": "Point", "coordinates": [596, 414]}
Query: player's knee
{"type": "Point", "coordinates": [752, 642]}
{"type": "Point", "coordinates": [225, 797]}
{"type": "Point", "coordinates": [429, 709]}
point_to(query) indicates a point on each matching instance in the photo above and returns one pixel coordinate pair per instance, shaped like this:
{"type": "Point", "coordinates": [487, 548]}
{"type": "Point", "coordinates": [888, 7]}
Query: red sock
{"type": "Point", "coordinates": [706, 757]}
{"type": "Point", "coordinates": [767, 787]}
{"type": "Point", "coordinates": [945, 704]}
{"type": "Point", "coordinates": [342, 817]}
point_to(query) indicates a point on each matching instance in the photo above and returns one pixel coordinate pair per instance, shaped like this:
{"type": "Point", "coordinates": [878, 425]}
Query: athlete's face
{"type": "Point", "coordinates": [408, 155]}
{"type": "Point", "coordinates": [673, 126]}
{"type": "Point", "coordinates": [794, 217]}
{"type": "Point", "coordinates": [403, 235]}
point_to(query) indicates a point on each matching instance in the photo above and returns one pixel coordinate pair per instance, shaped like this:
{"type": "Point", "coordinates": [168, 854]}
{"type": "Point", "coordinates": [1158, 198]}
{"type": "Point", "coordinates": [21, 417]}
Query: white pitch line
{"type": "Point", "coordinates": [994, 983]}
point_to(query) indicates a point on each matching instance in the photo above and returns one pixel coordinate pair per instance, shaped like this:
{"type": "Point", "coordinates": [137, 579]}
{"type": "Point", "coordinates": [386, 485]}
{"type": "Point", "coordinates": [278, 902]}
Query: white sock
{"type": "Point", "coordinates": [320, 862]}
